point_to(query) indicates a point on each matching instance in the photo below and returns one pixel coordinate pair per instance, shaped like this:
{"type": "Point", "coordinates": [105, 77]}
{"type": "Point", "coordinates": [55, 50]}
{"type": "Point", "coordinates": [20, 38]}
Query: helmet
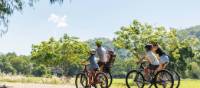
{"type": "Point", "coordinates": [111, 51]}
{"type": "Point", "coordinates": [92, 51]}
{"type": "Point", "coordinates": [98, 42]}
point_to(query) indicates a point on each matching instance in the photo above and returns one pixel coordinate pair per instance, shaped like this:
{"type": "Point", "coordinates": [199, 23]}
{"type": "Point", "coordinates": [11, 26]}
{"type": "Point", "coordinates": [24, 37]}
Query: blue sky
{"type": "Point", "coordinates": [92, 18]}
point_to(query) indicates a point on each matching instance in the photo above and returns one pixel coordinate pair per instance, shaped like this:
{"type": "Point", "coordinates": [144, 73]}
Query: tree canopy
{"type": "Point", "coordinates": [134, 37]}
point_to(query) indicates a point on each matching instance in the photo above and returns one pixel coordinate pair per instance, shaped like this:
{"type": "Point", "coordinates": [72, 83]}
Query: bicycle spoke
{"type": "Point", "coordinates": [164, 79]}
{"type": "Point", "coordinates": [134, 79]}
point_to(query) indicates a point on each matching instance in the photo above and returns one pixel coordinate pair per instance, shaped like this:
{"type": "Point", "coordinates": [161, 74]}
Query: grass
{"type": "Point", "coordinates": [29, 79]}
{"type": "Point", "coordinates": [185, 83]}
{"type": "Point", "coordinates": [117, 83]}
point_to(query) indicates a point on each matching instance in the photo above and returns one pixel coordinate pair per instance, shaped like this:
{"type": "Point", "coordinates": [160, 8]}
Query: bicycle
{"type": "Point", "coordinates": [99, 78]}
{"type": "Point", "coordinates": [176, 76]}
{"type": "Point", "coordinates": [108, 66]}
{"type": "Point", "coordinates": [109, 76]}
{"type": "Point", "coordinates": [159, 79]}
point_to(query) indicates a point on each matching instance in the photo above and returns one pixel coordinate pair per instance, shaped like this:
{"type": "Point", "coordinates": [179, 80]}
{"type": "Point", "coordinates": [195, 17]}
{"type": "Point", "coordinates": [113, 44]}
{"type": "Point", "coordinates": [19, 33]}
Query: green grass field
{"type": "Point", "coordinates": [117, 83]}
{"type": "Point", "coordinates": [185, 83]}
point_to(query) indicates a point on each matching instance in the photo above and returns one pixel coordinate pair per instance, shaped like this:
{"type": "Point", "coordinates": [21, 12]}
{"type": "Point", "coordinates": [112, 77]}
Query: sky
{"type": "Point", "coordinates": [88, 19]}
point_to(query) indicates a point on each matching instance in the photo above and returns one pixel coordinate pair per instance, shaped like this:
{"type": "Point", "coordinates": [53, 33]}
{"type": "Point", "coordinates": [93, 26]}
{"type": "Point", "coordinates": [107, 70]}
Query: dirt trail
{"type": "Point", "coordinates": [32, 85]}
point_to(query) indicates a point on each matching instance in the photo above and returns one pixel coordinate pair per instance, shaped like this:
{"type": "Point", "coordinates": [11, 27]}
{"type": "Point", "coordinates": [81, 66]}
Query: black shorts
{"type": "Point", "coordinates": [101, 64]}
{"type": "Point", "coordinates": [153, 67]}
{"type": "Point", "coordinates": [96, 69]}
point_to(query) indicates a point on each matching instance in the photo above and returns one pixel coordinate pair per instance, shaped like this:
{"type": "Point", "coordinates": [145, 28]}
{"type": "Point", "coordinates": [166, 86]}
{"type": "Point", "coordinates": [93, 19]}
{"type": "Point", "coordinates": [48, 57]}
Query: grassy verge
{"type": "Point", "coordinates": [28, 79]}
{"type": "Point", "coordinates": [117, 83]}
{"type": "Point", "coordinates": [185, 83]}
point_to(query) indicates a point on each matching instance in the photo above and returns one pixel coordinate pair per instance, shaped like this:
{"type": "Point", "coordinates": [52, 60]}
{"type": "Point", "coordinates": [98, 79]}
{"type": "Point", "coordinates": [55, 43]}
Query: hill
{"type": "Point", "coordinates": [192, 31]}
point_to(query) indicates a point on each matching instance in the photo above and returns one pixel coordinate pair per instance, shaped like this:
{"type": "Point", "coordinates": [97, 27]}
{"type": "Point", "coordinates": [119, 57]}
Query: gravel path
{"type": "Point", "coordinates": [32, 85]}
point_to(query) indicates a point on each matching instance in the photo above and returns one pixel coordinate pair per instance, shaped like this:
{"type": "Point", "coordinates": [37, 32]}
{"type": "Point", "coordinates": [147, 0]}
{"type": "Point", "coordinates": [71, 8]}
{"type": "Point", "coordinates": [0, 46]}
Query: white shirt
{"type": "Point", "coordinates": [153, 58]}
{"type": "Point", "coordinates": [101, 54]}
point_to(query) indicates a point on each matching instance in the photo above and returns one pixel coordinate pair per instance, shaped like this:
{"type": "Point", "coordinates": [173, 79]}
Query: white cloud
{"type": "Point", "coordinates": [60, 21]}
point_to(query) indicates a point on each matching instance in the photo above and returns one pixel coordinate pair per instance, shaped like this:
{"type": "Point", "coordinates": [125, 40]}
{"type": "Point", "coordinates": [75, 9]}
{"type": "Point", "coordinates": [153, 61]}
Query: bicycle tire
{"type": "Point", "coordinates": [166, 72]}
{"type": "Point", "coordinates": [137, 75]}
{"type": "Point", "coordinates": [81, 75]}
{"type": "Point", "coordinates": [110, 79]}
{"type": "Point", "coordinates": [178, 79]}
{"type": "Point", "coordinates": [105, 77]}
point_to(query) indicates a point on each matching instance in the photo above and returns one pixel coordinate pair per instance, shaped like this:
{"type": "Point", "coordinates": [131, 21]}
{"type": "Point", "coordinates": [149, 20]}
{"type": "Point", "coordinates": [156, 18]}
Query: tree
{"type": "Point", "coordinates": [7, 7]}
{"type": "Point", "coordinates": [136, 35]}
{"type": "Point", "coordinates": [22, 65]}
{"type": "Point", "coordinates": [65, 53]}
{"type": "Point", "coordinates": [40, 70]}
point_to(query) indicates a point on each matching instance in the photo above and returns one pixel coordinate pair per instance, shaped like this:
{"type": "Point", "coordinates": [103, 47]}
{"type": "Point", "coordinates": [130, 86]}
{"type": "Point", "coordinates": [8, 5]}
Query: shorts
{"type": "Point", "coordinates": [164, 60]}
{"type": "Point", "coordinates": [101, 64]}
{"type": "Point", "coordinates": [93, 69]}
{"type": "Point", "coordinates": [96, 69]}
{"type": "Point", "coordinates": [107, 67]}
{"type": "Point", "coordinates": [153, 67]}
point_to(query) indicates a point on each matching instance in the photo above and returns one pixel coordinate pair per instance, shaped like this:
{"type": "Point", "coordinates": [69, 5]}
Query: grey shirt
{"type": "Point", "coordinates": [101, 54]}
{"type": "Point", "coordinates": [153, 58]}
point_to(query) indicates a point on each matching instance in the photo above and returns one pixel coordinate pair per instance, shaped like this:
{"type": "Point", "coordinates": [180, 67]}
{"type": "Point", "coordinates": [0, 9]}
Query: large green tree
{"type": "Point", "coordinates": [134, 37]}
{"type": "Point", "coordinates": [65, 53]}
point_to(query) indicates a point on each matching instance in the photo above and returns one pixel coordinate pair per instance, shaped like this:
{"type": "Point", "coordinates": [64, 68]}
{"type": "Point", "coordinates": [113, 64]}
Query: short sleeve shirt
{"type": "Point", "coordinates": [153, 58]}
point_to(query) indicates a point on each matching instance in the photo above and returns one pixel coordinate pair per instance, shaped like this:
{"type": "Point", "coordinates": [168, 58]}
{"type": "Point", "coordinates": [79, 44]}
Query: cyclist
{"type": "Point", "coordinates": [164, 59]}
{"type": "Point", "coordinates": [93, 66]}
{"type": "Point", "coordinates": [111, 59]}
{"type": "Point", "coordinates": [151, 59]}
{"type": "Point", "coordinates": [111, 56]}
{"type": "Point", "coordinates": [101, 54]}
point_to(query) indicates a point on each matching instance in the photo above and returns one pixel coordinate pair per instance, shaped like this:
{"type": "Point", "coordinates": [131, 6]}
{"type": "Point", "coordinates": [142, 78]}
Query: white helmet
{"type": "Point", "coordinates": [92, 51]}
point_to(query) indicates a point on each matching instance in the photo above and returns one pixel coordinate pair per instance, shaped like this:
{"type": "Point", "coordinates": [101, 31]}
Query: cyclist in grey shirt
{"type": "Point", "coordinates": [101, 54]}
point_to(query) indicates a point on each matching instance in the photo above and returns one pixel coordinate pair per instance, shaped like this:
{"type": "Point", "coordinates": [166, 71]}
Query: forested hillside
{"type": "Point", "coordinates": [192, 31]}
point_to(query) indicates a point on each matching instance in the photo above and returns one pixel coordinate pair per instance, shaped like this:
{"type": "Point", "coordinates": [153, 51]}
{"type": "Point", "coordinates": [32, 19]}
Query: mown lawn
{"type": "Point", "coordinates": [185, 83]}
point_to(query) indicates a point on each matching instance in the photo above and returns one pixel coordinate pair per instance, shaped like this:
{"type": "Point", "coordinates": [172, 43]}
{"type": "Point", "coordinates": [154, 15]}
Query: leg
{"type": "Point", "coordinates": [161, 66]}
{"type": "Point", "coordinates": [90, 78]}
{"type": "Point", "coordinates": [146, 71]}
{"type": "Point", "coordinates": [101, 66]}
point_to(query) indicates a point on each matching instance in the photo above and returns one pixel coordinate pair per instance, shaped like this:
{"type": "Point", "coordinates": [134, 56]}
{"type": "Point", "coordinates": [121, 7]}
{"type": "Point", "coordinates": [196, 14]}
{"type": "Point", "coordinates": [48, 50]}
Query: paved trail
{"type": "Point", "coordinates": [32, 85]}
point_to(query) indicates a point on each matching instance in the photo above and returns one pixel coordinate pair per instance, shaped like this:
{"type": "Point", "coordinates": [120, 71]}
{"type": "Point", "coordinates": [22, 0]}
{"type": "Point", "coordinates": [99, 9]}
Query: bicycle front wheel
{"type": "Point", "coordinates": [134, 79]}
{"type": "Point", "coordinates": [164, 79]}
{"type": "Point", "coordinates": [81, 80]}
{"type": "Point", "coordinates": [101, 80]}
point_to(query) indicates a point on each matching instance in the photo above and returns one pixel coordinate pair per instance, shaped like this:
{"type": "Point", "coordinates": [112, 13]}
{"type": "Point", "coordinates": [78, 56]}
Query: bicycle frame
{"type": "Point", "coordinates": [85, 70]}
{"type": "Point", "coordinates": [151, 74]}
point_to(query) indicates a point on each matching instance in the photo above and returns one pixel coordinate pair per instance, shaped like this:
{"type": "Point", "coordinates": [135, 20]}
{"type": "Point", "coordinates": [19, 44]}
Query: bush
{"type": "Point", "coordinates": [194, 70]}
{"type": "Point", "coordinates": [40, 70]}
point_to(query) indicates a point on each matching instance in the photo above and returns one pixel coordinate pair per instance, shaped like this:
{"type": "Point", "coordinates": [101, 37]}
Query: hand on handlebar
{"type": "Point", "coordinates": [84, 62]}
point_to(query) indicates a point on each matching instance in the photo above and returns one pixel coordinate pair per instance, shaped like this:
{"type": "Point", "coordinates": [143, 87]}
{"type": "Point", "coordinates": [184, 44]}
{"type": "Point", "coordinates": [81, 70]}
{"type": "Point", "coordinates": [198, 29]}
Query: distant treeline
{"type": "Point", "coordinates": [62, 57]}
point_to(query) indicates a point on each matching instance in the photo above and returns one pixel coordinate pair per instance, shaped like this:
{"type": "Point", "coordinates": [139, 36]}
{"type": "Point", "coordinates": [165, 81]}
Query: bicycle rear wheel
{"type": "Point", "coordinates": [134, 79]}
{"type": "Point", "coordinates": [110, 78]}
{"type": "Point", "coordinates": [164, 79]}
{"type": "Point", "coordinates": [81, 80]}
{"type": "Point", "coordinates": [176, 78]}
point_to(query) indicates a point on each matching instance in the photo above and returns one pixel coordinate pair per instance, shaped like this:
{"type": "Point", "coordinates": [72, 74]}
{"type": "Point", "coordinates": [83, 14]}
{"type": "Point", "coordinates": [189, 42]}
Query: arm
{"type": "Point", "coordinates": [158, 56]}
{"type": "Point", "coordinates": [148, 59]}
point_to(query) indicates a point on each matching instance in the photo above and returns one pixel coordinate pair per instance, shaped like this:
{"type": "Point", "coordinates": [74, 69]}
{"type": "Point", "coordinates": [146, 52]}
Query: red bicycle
{"type": "Point", "coordinates": [99, 79]}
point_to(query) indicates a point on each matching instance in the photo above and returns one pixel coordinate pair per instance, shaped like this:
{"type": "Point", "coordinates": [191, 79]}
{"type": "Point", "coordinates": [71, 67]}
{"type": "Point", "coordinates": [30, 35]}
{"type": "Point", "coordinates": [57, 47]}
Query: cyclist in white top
{"type": "Point", "coordinates": [151, 58]}
{"type": "Point", "coordinates": [101, 54]}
